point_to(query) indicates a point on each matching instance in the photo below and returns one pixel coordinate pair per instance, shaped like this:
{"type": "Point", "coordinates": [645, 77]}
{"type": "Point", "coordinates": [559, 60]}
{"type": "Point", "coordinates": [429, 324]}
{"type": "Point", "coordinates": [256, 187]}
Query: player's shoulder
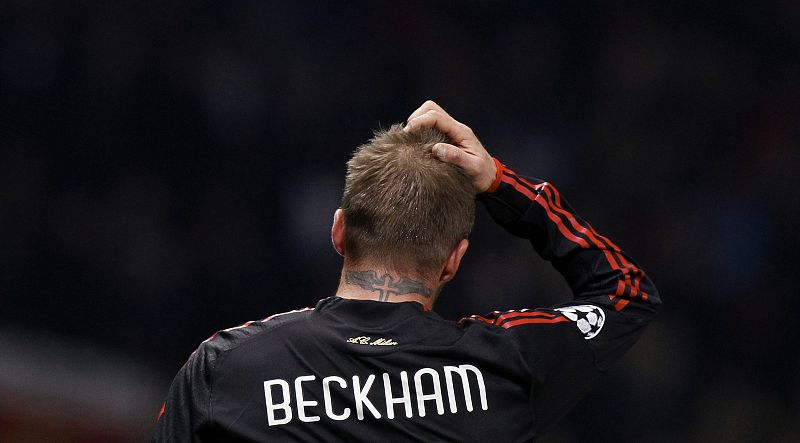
{"type": "Point", "coordinates": [231, 338]}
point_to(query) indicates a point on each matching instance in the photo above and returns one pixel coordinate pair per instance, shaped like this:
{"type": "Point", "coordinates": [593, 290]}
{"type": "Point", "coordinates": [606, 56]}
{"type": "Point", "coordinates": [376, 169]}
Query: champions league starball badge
{"type": "Point", "coordinates": [588, 318]}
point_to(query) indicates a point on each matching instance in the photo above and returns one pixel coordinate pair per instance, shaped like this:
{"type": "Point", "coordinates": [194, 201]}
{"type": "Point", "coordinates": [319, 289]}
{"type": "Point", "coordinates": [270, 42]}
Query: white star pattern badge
{"type": "Point", "coordinates": [588, 318]}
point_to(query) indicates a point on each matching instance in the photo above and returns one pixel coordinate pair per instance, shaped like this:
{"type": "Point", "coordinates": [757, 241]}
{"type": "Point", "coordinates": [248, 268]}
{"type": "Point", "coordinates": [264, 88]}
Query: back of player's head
{"type": "Point", "coordinates": [403, 208]}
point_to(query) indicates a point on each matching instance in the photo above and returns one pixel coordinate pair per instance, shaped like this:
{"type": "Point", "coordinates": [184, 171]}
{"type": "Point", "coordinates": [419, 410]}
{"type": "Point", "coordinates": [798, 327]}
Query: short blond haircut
{"type": "Point", "coordinates": [404, 209]}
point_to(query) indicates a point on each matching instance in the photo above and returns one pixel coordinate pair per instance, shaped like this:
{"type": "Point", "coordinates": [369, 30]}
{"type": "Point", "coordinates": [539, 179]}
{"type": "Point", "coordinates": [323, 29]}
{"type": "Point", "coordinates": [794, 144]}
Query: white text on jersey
{"type": "Point", "coordinates": [427, 387]}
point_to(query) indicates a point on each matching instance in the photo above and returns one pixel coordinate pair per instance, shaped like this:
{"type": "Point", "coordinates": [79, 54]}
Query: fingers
{"type": "Point", "coordinates": [449, 154]}
{"type": "Point", "coordinates": [468, 153]}
{"type": "Point", "coordinates": [470, 164]}
{"type": "Point", "coordinates": [430, 114]}
{"type": "Point", "coordinates": [427, 106]}
{"type": "Point", "coordinates": [458, 132]}
{"type": "Point", "coordinates": [481, 169]}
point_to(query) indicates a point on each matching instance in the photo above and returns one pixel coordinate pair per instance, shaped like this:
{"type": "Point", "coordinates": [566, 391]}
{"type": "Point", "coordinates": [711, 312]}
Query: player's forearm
{"type": "Point", "coordinates": [591, 263]}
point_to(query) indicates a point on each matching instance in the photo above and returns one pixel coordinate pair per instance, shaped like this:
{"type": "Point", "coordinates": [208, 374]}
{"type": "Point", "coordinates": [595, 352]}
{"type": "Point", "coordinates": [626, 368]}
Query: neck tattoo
{"type": "Point", "coordinates": [385, 285]}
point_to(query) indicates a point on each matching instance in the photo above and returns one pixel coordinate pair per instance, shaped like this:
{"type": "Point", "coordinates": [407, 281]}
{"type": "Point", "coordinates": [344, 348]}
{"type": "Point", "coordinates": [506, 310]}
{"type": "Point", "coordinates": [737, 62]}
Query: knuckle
{"type": "Point", "coordinates": [456, 157]}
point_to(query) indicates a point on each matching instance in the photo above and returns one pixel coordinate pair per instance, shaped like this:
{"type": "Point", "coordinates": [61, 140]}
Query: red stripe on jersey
{"type": "Point", "coordinates": [523, 190]}
{"type": "Point", "coordinates": [161, 411]}
{"type": "Point", "coordinates": [620, 305]}
{"type": "Point", "coordinates": [588, 233]}
{"type": "Point", "coordinates": [620, 290]}
{"type": "Point", "coordinates": [627, 268]}
{"type": "Point", "coordinates": [613, 246]}
{"type": "Point", "coordinates": [497, 319]}
{"type": "Point", "coordinates": [525, 187]}
{"type": "Point", "coordinates": [605, 239]}
{"type": "Point", "coordinates": [570, 218]}
{"type": "Point", "coordinates": [524, 321]}
{"type": "Point", "coordinates": [519, 313]}
{"type": "Point", "coordinates": [544, 204]}
{"type": "Point", "coordinates": [549, 192]}
{"type": "Point", "coordinates": [478, 318]}
{"type": "Point", "coordinates": [503, 317]}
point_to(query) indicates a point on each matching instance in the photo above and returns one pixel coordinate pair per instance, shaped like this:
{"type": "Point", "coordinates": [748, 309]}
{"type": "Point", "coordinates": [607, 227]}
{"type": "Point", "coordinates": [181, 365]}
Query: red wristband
{"type": "Point", "coordinates": [498, 176]}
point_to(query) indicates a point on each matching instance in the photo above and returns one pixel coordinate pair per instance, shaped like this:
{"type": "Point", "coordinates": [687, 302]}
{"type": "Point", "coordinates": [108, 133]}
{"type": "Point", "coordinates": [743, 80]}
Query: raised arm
{"type": "Point", "coordinates": [564, 346]}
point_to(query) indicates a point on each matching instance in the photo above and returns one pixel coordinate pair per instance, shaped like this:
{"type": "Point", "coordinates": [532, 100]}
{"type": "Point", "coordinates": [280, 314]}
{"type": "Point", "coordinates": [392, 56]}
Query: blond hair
{"type": "Point", "coordinates": [404, 209]}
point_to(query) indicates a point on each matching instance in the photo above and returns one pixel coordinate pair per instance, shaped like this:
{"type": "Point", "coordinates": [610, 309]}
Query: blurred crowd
{"type": "Point", "coordinates": [171, 168]}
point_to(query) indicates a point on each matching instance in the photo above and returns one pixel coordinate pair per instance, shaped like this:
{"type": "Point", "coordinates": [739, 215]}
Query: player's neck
{"type": "Point", "coordinates": [373, 283]}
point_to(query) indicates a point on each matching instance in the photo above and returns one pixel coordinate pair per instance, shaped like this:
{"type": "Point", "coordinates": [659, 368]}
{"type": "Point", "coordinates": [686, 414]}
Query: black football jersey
{"type": "Point", "coordinates": [356, 370]}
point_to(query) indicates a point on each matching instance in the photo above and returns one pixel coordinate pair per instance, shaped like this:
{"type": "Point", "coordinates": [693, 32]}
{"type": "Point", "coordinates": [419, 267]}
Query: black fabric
{"type": "Point", "coordinates": [502, 376]}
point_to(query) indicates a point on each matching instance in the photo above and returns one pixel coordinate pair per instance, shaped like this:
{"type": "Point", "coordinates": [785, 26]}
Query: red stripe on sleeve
{"type": "Point", "coordinates": [551, 202]}
{"type": "Point", "coordinates": [506, 318]}
{"type": "Point", "coordinates": [498, 319]}
{"type": "Point", "coordinates": [503, 317]}
{"type": "Point", "coordinates": [523, 190]}
{"type": "Point", "coordinates": [578, 227]}
{"type": "Point", "coordinates": [620, 305]}
{"type": "Point", "coordinates": [617, 250]}
{"type": "Point", "coordinates": [478, 318]}
{"type": "Point", "coordinates": [620, 289]}
{"type": "Point", "coordinates": [528, 313]}
{"type": "Point", "coordinates": [524, 321]}
{"type": "Point", "coordinates": [544, 204]}
{"type": "Point", "coordinates": [626, 268]}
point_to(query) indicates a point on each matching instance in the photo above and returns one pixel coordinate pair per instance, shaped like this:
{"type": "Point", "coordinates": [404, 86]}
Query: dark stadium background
{"type": "Point", "coordinates": [170, 168]}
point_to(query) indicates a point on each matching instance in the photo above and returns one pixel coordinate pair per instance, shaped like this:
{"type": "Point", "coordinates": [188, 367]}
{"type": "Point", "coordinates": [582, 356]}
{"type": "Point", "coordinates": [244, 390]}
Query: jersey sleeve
{"type": "Point", "coordinates": [187, 409]}
{"type": "Point", "coordinates": [565, 347]}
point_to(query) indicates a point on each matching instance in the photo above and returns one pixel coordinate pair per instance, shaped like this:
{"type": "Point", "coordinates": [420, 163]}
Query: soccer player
{"type": "Point", "coordinates": [373, 362]}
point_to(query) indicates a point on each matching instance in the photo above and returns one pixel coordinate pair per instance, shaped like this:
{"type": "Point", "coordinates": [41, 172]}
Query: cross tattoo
{"type": "Point", "coordinates": [385, 285]}
{"type": "Point", "coordinates": [385, 288]}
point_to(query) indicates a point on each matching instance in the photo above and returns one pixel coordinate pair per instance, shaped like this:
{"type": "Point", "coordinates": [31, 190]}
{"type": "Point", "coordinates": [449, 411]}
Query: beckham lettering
{"type": "Point", "coordinates": [285, 400]}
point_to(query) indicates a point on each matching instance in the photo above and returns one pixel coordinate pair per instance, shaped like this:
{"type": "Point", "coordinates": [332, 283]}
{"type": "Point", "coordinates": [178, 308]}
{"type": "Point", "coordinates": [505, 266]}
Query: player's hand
{"type": "Point", "coordinates": [468, 152]}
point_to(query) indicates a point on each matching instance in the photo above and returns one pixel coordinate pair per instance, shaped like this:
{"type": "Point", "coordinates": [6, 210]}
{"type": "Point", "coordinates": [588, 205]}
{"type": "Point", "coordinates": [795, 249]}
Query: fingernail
{"type": "Point", "coordinates": [407, 127]}
{"type": "Point", "coordinates": [439, 151]}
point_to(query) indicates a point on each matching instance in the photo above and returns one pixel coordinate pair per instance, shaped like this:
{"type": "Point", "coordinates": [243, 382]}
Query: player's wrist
{"type": "Point", "coordinates": [498, 176]}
